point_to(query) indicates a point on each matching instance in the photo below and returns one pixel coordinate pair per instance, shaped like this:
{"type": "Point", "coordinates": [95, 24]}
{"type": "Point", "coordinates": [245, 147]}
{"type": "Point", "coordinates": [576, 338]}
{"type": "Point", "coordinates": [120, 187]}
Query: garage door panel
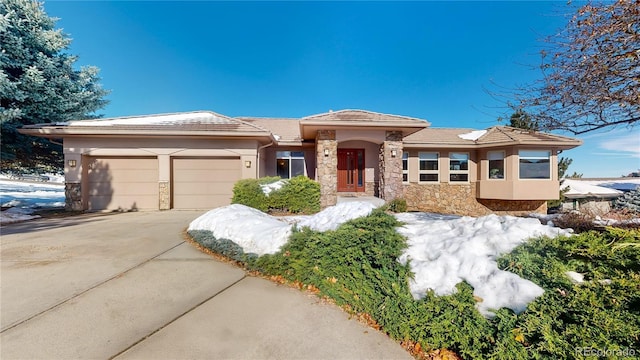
{"type": "Point", "coordinates": [122, 183]}
{"type": "Point", "coordinates": [190, 175]}
{"type": "Point", "coordinates": [204, 188]}
{"type": "Point", "coordinates": [204, 183]}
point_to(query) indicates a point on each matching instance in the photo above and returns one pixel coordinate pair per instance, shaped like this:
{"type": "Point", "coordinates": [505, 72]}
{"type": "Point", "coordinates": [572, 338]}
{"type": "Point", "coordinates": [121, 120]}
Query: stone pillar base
{"type": "Point", "coordinates": [73, 197]}
{"type": "Point", "coordinates": [164, 194]}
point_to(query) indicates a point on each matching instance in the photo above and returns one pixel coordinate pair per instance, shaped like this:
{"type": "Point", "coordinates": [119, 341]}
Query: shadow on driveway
{"type": "Point", "coordinates": [52, 223]}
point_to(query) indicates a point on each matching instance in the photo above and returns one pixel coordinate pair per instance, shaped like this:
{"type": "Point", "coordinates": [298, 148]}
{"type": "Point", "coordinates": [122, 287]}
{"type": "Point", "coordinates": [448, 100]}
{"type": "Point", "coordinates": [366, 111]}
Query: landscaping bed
{"type": "Point", "coordinates": [357, 266]}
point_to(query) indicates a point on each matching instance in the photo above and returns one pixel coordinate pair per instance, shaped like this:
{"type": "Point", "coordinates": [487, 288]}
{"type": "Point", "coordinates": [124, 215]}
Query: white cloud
{"type": "Point", "coordinates": [626, 144]}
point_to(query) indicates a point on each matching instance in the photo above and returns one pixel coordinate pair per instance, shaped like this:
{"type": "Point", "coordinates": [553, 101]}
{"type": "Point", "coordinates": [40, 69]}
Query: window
{"type": "Point", "coordinates": [496, 164]}
{"type": "Point", "coordinates": [405, 166]}
{"type": "Point", "coordinates": [428, 166]}
{"type": "Point", "coordinates": [458, 167]}
{"type": "Point", "coordinates": [535, 164]}
{"type": "Point", "coordinates": [289, 164]}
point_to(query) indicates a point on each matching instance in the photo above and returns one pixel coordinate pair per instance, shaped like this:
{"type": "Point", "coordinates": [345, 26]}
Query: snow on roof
{"type": "Point", "coordinates": [580, 188]}
{"type": "Point", "coordinates": [622, 184]}
{"type": "Point", "coordinates": [474, 135]}
{"type": "Point", "coordinates": [161, 119]}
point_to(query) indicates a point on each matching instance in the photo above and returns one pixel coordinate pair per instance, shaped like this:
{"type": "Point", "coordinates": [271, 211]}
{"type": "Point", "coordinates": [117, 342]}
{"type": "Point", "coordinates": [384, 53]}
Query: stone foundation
{"type": "Point", "coordinates": [164, 195]}
{"type": "Point", "coordinates": [73, 197]}
{"type": "Point", "coordinates": [327, 167]}
{"type": "Point", "coordinates": [460, 199]}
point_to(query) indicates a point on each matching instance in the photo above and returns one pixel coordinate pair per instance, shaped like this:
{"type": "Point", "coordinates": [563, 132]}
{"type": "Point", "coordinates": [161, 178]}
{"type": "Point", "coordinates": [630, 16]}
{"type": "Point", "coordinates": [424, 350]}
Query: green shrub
{"type": "Point", "coordinates": [268, 180]}
{"type": "Point", "coordinates": [602, 313]}
{"type": "Point", "coordinates": [299, 195]}
{"type": "Point", "coordinates": [397, 205]}
{"type": "Point", "coordinates": [248, 192]}
{"type": "Point", "coordinates": [222, 246]}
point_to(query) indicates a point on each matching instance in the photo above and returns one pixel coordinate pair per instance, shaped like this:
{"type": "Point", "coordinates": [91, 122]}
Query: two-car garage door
{"type": "Point", "coordinates": [132, 182]}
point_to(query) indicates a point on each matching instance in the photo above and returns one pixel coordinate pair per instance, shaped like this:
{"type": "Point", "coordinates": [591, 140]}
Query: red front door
{"type": "Point", "coordinates": [350, 170]}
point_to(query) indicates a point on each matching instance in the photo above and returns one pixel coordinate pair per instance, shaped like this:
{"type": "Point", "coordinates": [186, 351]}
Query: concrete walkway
{"type": "Point", "coordinates": [126, 286]}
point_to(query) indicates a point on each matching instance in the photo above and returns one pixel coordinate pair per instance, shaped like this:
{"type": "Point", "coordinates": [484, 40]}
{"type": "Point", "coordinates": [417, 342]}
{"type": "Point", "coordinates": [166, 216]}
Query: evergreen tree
{"type": "Point", "coordinates": [38, 83]}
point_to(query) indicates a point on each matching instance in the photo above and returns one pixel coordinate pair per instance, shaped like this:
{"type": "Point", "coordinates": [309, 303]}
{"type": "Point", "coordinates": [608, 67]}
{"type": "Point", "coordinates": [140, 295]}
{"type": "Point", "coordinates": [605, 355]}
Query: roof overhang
{"type": "Point", "coordinates": [57, 132]}
{"type": "Point", "coordinates": [309, 128]}
{"type": "Point", "coordinates": [530, 144]}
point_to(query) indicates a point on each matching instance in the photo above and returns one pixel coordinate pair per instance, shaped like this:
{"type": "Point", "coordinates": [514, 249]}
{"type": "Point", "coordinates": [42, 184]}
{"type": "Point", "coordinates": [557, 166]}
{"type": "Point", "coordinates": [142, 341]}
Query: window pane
{"type": "Point", "coordinates": [535, 169]}
{"type": "Point", "coordinates": [282, 168]}
{"type": "Point", "coordinates": [283, 154]}
{"type": "Point", "coordinates": [458, 161]}
{"type": "Point", "coordinates": [535, 154]}
{"type": "Point", "coordinates": [428, 156]}
{"type": "Point", "coordinates": [496, 169]}
{"type": "Point", "coordinates": [297, 167]}
{"type": "Point", "coordinates": [459, 177]}
{"type": "Point", "coordinates": [428, 177]}
{"type": "Point", "coordinates": [405, 165]}
{"type": "Point", "coordinates": [405, 177]}
{"type": "Point", "coordinates": [297, 154]}
{"type": "Point", "coordinates": [495, 155]}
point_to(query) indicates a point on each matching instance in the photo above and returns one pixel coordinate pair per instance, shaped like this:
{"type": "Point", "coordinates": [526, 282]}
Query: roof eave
{"type": "Point", "coordinates": [63, 132]}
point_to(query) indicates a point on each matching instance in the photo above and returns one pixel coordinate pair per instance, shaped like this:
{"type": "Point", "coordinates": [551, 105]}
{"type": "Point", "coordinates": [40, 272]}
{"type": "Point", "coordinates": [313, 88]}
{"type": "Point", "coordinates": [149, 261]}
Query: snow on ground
{"type": "Point", "coordinates": [24, 198]}
{"type": "Point", "coordinates": [260, 233]}
{"type": "Point", "coordinates": [445, 250]}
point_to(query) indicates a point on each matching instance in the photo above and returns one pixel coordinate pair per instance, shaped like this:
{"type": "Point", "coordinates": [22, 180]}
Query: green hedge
{"type": "Point", "coordinates": [300, 195]}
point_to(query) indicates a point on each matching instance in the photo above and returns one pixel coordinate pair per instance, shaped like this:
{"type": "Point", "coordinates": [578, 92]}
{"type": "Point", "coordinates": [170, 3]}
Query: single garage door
{"type": "Point", "coordinates": [125, 183]}
{"type": "Point", "coordinates": [203, 183]}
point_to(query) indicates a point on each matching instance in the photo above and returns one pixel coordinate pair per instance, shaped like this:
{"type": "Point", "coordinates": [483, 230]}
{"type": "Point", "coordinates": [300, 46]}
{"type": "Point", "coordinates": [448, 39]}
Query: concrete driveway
{"type": "Point", "coordinates": [127, 286]}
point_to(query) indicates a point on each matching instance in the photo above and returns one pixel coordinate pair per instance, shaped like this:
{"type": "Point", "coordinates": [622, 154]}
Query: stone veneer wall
{"type": "Point", "coordinates": [460, 199]}
{"type": "Point", "coordinates": [73, 196]}
{"type": "Point", "coordinates": [164, 195]}
{"type": "Point", "coordinates": [391, 186]}
{"type": "Point", "coordinates": [327, 166]}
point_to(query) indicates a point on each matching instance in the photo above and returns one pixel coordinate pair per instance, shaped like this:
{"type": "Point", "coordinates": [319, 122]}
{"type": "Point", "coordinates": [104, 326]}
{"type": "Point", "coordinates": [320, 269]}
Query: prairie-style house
{"type": "Point", "coordinates": [191, 160]}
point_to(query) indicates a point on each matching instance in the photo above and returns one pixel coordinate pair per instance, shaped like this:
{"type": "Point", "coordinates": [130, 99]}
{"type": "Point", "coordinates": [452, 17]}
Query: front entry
{"type": "Point", "coordinates": [350, 170]}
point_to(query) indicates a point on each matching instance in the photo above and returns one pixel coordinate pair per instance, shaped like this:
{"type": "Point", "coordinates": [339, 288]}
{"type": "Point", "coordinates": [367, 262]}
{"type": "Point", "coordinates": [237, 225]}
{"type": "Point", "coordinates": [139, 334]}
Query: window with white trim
{"type": "Point", "coordinates": [458, 167]}
{"type": "Point", "coordinates": [289, 164]}
{"type": "Point", "coordinates": [428, 170]}
{"type": "Point", "coordinates": [496, 165]}
{"type": "Point", "coordinates": [535, 164]}
{"type": "Point", "coordinates": [405, 166]}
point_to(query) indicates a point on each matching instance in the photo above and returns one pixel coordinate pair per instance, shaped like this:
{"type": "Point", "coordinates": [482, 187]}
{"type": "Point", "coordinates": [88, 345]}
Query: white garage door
{"type": "Point", "coordinates": [203, 183]}
{"type": "Point", "coordinates": [125, 183]}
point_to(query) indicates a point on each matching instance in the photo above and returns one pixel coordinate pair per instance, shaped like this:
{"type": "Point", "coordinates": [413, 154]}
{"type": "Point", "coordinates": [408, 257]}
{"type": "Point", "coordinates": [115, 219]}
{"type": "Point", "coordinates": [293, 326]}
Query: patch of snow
{"type": "Point", "coordinates": [622, 184]}
{"type": "Point", "coordinates": [474, 135]}
{"type": "Point", "coordinates": [575, 277]}
{"type": "Point", "coordinates": [268, 188]}
{"type": "Point", "coordinates": [334, 216]}
{"type": "Point", "coordinates": [155, 119]}
{"type": "Point", "coordinates": [442, 252]}
{"type": "Point", "coordinates": [277, 137]}
{"type": "Point", "coordinates": [260, 233]}
{"type": "Point", "coordinates": [16, 215]}
{"type": "Point", "coordinates": [255, 231]}
{"type": "Point", "coordinates": [24, 198]}
{"type": "Point", "coordinates": [583, 188]}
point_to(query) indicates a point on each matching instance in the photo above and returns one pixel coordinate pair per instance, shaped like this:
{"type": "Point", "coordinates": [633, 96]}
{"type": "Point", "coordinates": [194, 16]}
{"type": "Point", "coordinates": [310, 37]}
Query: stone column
{"type": "Point", "coordinates": [164, 195]}
{"type": "Point", "coordinates": [327, 165]}
{"type": "Point", "coordinates": [391, 166]}
{"type": "Point", "coordinates": [73, 196]}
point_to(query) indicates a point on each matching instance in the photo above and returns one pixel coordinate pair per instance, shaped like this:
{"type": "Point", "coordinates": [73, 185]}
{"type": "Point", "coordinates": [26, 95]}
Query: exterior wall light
{"type": "Point", "coordinates": [326, 152]}
{"type": "Point", "coordinates": [394, 153]}
{"type": "Point", "coordinates": [72, 163]}
{"type": "Point", "coordinates": [247, 164]}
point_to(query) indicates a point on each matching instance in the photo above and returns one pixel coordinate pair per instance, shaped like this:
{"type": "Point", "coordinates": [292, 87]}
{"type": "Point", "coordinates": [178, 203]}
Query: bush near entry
{"type": "Point", "coordinates": [299, 195]}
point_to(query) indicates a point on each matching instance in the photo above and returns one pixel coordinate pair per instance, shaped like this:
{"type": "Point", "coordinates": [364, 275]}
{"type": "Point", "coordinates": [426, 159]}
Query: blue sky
{"type": "Point", "coordinates": [431, 60]}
